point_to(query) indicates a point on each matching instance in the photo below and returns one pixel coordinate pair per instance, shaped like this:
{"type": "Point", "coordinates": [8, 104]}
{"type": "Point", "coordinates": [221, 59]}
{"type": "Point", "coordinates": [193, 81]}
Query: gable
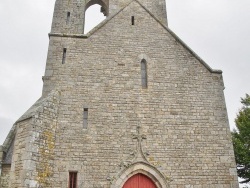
{"type": "Point", "coordinates": [159, 30]}
{"type": "Point", "coordinates": [109, 58]}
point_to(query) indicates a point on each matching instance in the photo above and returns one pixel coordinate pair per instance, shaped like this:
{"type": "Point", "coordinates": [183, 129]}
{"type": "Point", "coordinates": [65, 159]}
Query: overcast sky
{"type": "Point", "coordinates": [217, 30]}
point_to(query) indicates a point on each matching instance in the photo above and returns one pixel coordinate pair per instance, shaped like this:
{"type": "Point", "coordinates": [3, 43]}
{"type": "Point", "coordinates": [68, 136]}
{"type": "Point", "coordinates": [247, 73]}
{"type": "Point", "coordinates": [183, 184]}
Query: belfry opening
{"type": "Point", "coordinates": [95, 12]}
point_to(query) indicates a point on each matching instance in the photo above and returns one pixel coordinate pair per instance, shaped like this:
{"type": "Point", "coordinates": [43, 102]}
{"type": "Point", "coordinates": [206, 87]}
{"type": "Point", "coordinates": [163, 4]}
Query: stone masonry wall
{"type": "Point", "coordinates": [33, 157]}
{"type": "Point", "coordinates": [5, 176]}
{"type": "Point", "coordinates": [182, 113]}
{"type": "Point", "coordinates": [46, 140]}
{"type": "Point", "coordinates": [20, 154]}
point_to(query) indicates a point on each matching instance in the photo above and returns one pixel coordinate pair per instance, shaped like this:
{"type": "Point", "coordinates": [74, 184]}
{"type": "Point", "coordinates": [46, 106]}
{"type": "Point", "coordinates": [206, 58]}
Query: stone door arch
{"type": "Point", "coordinates": [158, 179]}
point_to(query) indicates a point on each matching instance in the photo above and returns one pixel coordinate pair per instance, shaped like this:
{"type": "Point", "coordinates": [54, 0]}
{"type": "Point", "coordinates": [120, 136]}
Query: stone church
{"type": "Point", "coordinates": [127, 105]}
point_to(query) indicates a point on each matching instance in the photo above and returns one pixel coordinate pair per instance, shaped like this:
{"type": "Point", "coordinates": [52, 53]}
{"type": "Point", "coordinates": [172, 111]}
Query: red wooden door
{"type": "Point", "coordinates": [139, 181]}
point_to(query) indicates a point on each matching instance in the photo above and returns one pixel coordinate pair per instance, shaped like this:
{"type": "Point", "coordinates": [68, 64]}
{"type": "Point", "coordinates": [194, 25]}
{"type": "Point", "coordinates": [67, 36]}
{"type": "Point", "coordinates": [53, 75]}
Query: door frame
{"type": "Point", "coordinates": [160, 180]}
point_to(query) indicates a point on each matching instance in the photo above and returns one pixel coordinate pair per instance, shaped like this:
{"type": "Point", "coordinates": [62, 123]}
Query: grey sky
{"type": "Point", "coordinates": [217, 30]}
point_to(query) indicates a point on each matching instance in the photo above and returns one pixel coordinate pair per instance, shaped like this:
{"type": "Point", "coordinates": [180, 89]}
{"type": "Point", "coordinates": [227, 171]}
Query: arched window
{"type": "Point", "coordinates": [95, 12]}
{"type": "Point", "coordinates": [144, 76]}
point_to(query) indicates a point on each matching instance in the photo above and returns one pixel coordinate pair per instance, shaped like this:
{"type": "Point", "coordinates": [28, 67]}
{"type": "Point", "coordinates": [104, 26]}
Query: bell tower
{"type": "Point", "coordinates": [128, 103]}
{"type": "Point", "coordinates": [69, 15]}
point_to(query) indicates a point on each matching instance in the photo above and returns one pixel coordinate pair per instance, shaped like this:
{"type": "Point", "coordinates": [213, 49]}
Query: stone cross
{"type": "Point", "coordinates": [140, 137]}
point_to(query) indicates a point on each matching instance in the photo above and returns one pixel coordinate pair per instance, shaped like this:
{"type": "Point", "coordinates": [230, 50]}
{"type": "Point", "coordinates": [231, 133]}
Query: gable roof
{"type": "Point", "coordinates": [8, 144]}
{"type": "Point", "coordinates": [37, 107]}
{"type": "Point", "coordinates": [99, 26]}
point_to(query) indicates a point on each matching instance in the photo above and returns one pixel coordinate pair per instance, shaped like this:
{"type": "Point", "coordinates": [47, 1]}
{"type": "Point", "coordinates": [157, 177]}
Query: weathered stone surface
{"type": "Point", "coordinates": [5, 177]}
{"type": "Point", "coordinates": [184, 138]}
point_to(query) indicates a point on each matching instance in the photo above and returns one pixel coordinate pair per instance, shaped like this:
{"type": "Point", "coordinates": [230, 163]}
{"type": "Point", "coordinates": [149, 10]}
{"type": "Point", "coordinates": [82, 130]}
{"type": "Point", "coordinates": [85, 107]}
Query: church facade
{"type": "Point", "coordinates": [127, 105]}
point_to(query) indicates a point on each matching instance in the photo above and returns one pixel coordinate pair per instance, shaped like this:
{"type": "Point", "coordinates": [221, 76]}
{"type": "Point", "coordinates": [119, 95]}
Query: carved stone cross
{"type": "Point", "coordinates": [140, 137]}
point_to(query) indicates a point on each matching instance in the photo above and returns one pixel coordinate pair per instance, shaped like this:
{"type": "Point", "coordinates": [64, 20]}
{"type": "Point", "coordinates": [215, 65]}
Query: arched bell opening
{"type": "Point", "coordinates": [104, 6]}
{"type": "Point", "coordinates": [95, 12]}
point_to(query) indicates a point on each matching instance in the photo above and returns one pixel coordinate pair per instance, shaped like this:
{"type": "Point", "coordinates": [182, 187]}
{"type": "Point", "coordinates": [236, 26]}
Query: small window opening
{"type": "Point", "coordinates": [68, 18]}
{"type": "Point", "coordinates": [144, 75]}
{"type": "Point", "coordinates": [72, 179]}
{"type": "Point", "coordinates": [85, 117]}
{"type": "Point", "coordinates": [98, 13]}
{"type": "Point", "coordinates": [133, 20]}
{"type": "Point", "coordinates": [64, 55]}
